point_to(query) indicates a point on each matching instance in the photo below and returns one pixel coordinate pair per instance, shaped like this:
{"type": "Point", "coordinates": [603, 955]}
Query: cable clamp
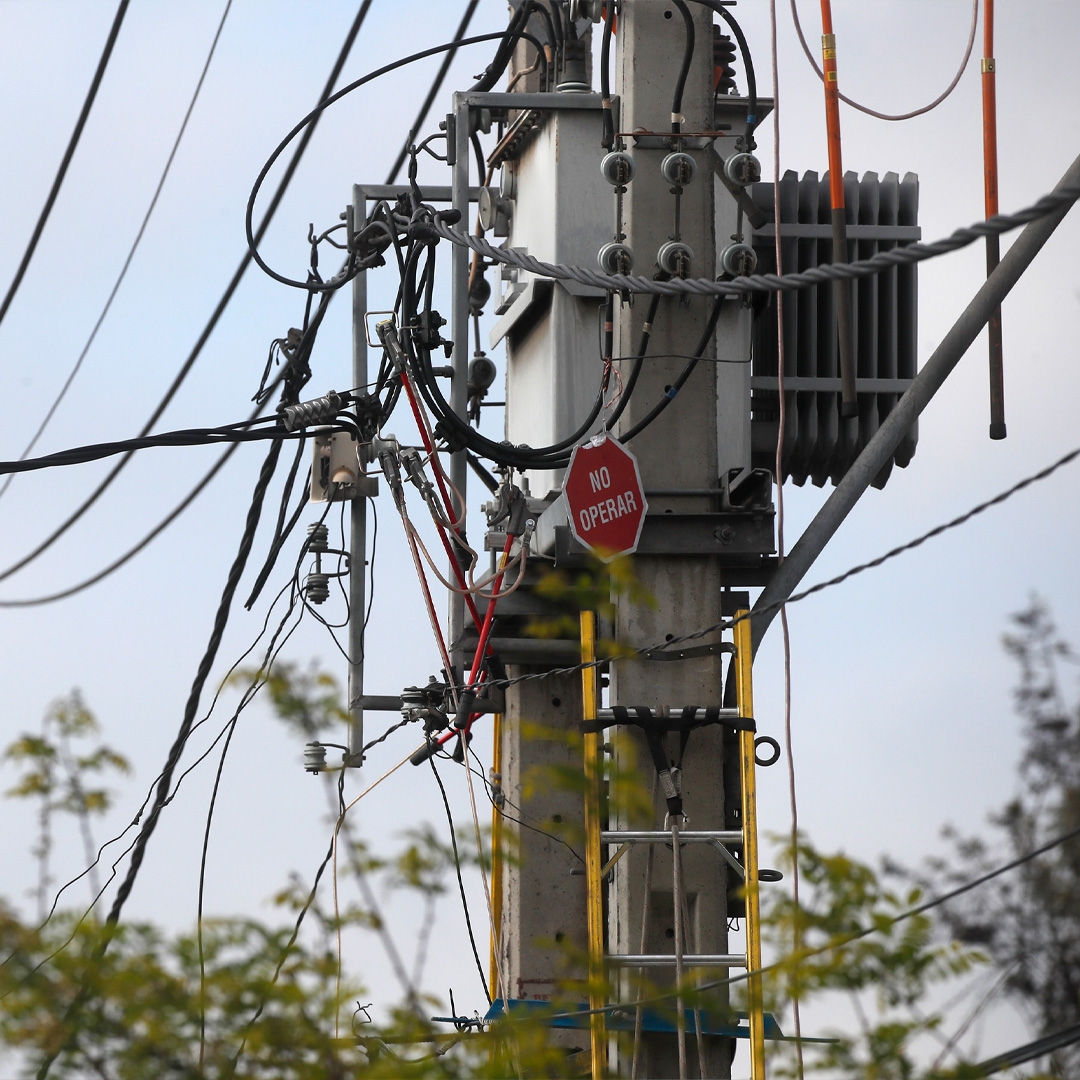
{"type": "Point", "coordinates": [387, 332]}
{"type": "Point", "coordinates": [989, 65]}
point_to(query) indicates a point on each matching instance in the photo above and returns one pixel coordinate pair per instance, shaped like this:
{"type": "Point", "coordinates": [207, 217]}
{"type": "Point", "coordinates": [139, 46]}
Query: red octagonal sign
{"type": "Point", "coordinates": [605, 501]}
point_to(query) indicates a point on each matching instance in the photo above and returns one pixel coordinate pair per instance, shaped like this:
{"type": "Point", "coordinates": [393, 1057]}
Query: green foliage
{"type": "Point", "coordinates": [308, 701]}
{"type": "Point", "coordinates": [1029, 920]}
{"type": "Point", "coordinates": [59, 770]}
{"type": "Point", "coordinates": [142, 1013]}
{"type": "Point", "coordinates": [597, 587]}
{"type": "Point", "coordinates": [260, 1004]}
{"type": "Point", "coordinates": [885, 974]}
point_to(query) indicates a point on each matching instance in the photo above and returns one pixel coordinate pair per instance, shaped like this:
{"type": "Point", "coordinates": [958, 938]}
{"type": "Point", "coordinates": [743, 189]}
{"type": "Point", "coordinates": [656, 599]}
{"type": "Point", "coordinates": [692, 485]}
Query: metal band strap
{"type": "Point", "coordinates": [644, 718]}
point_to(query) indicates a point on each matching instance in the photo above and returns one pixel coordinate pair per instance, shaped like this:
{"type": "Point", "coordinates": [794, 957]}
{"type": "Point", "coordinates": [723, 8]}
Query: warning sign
{"type": "Point", "coordinates": [605, 501]}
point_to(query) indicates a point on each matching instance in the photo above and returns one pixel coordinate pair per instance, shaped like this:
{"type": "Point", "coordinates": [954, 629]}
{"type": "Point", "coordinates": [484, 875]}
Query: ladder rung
{"type": "Point", "coordinates": [607, 716]}
{"type": "Point", "coordinates": [668, 960]}
{"type": "Point", "coordinates": [686, 836]}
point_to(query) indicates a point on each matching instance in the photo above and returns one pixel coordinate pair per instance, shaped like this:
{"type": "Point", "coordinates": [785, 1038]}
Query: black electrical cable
{"type": "Point", "coordinates": [540, 457]}
{"type": "Point", "coordinates": [461, 884]}
{"type": "Point", "coordinates": [188, 437]}
{"type": "Point", "coordinates": [309, 120]}
{"type": "Point", "coordinates": [684, 69]}
{"type": "Point", "coordinates": [560, 31]}
{"type": "Point", "coordinates": [273, 649]}
{"type": "Point", "coordinates": [131, 252]}
{"type": "Point", "coordinates": [220, 622]}
{"type": "Point", "coordinates": [748, 63]}
{"type": "Point", "coordinates": [294, 375]}
{"type": "Point", "coordinates": [283, 528]}
{"type": "Point", "coordinates": [215, 316]}
{"type": "Point", "coordinates": [677, 385]}
{"type": "Point", "coordinates": [150, 824]}
{"type": "Point", "coordinates": [436, 86]}
{"type": "Point", "coordinates": [478, 772]}
{"type": "Point", "coordinates": [639, 361]}
{"type": "Point", "coordinates": [292, 938]}
{"type": "Point", "coordinates": [133, 551]}
{"type": "Point", "coordinates": [515, 30]}
{"type": "Point", "coordinates": [553, 42]}
{"type": "Point", "coordinates": [478, 155]}
{"type": "Point", "coordinates": [607, 138]}
{"type": "Point", "coordinates": [154, 532]}
{"type": "Point", "coordinates": [230, 729]}
{"type": "Point", "coordinates": [138, 814]}
{"type": "Point", "coordinates": [65, 161]}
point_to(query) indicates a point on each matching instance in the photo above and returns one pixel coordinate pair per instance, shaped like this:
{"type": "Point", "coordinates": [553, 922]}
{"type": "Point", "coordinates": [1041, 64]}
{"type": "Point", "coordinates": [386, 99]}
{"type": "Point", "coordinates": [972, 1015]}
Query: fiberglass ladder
{"type": "Point", "coordinates": [597, 869]}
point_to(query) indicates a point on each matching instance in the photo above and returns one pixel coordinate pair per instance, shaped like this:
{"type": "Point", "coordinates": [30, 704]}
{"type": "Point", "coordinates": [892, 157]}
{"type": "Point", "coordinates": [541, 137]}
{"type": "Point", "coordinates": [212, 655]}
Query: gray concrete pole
{"type": "Point", "coordinates": [358, 518]}
{"type": "Point", "coordinates": [927, 383]}
{"type": "Point", "coordinates": [677, 452]}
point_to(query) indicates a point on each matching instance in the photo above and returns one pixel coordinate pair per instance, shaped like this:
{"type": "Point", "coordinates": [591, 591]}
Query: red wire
{"type": "Point", "coordinates": [451, 555]}
{"type": "Point", "coordinates": [478, 673]}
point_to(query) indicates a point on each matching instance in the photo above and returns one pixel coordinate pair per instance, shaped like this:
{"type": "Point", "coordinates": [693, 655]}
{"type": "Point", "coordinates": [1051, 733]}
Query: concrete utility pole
{"type": "Point", "coordinates": [677, 452]}
{"type": "Point", "coordinates": [562, 209]}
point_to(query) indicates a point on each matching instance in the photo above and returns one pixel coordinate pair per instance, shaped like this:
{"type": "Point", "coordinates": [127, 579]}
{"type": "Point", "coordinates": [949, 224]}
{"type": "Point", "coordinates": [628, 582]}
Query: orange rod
{"type": "Point", "coordinates": [989, 103]}
{"type": "Point", "coordinates": [832, 106]}
{"type": "Point", "coordinates": [849, 404]}
{"type": "Point", "coordinates": [990, 191]}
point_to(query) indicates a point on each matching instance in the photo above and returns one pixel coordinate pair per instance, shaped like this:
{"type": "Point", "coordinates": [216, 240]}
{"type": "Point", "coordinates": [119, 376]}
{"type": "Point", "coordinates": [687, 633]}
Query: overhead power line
{"type": "Point", "coordinates": [1063, 196]}
{"type": "Point", "coordinates": [186, 437]}
{"type": "Point", "coordinates": [215, 316]}
{"type": "Point", "coordinates": [879, 926]}
{"type": "Point", "coordinates": [893, 116]}
{"type": "Point", "coordinates": [436, 86]}
{"type": "Point", "coordinates": [305, 125]}
{"type": "Point", "coordinates": [115, 565]}
{"type": "Point", "coordinates": [65, 161]}
{"type": "Point", "coordinates": [724, 624]}
{"type": "Point", "coordinates": [165, 779]}
{"type": "Point", "coordinates": [131, 253]}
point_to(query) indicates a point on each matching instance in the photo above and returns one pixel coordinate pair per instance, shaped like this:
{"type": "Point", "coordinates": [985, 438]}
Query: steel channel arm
{"type": "Point", "coordinates": [687, 836]}
{"type": "Point", "coordinates": [459, 329]}
{"type": "Point", "coordinates": [727, 960]}
{"type": "Point", "coordinates": [730, 859]}
{"type": "Point", "coordinates": [531, 101]}
{"type": "Point", "coordinates": [358, 520]}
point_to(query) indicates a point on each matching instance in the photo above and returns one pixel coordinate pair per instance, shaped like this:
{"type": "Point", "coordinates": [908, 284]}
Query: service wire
{"type": "Point", "coordinates": [684, 69]}
{"type": "Point", "coordinates": [607, 139]}
{"type": "Point", "coordinates": [311, 117]}
{"type": "Point", "coordinates": [748, 63]}
{"type": "Point", "coordinates": [207, 330]}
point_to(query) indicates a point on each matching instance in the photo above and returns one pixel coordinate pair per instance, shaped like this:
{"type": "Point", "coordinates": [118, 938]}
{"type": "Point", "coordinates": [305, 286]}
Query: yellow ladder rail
{"type": "Point", "coordinates": [745, 693]}
{"type": "Point", "coordinates": [593, 869]}
{"type": "Point", "coordinates": [496, 865]}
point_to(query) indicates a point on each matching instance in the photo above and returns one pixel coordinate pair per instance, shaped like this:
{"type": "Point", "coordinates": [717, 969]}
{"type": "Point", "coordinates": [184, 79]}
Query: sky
{"type": "Point", "coordinates": [901, 710]}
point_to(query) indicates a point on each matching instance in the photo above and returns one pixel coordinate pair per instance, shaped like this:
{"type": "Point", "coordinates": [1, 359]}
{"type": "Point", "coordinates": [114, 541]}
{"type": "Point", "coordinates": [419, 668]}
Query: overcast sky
{"type": "Point", "coordinates": [901, 706]}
